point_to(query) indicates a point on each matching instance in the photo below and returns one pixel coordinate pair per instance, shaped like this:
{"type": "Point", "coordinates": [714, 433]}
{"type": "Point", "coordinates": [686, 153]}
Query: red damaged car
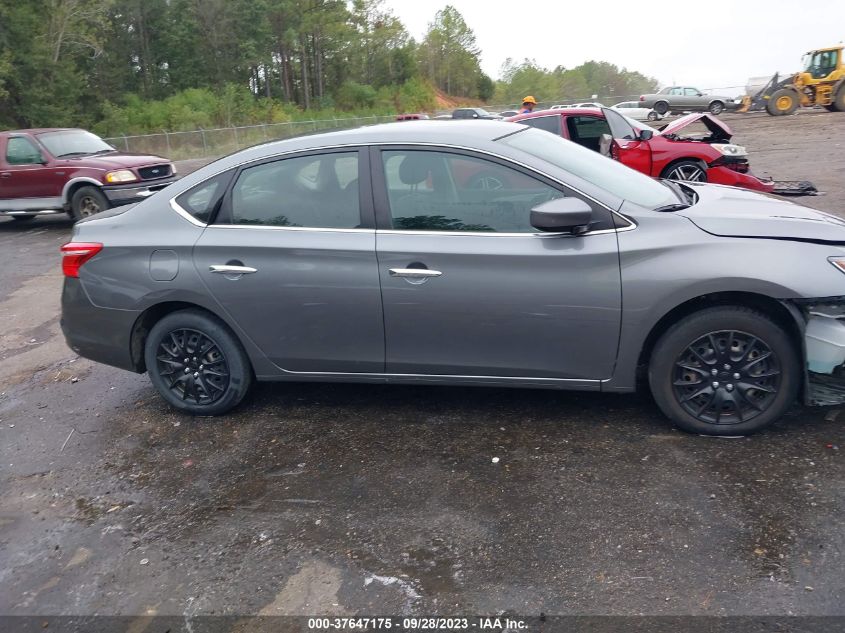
{"type": "Point", "coordinates": [708, 156]}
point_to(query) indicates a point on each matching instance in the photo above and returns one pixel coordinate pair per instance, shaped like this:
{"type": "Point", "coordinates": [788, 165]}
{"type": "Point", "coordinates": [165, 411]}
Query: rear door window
{"type": "Point", "coordinates": [202, 201]}
{"type": "Point", "coordinates": [316, 191]}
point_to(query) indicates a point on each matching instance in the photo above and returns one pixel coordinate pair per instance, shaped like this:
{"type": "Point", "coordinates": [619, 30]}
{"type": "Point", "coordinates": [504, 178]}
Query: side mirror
{"type": "Point", "coordinates": [562, 215]}
{"type": "Point", "coordinates": [645, 135]}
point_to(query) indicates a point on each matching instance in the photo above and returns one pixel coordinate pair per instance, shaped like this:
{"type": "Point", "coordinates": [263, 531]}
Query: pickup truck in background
{"type": "Point", "coordinates": [50, 171]}
{"type": "Point", "coordinates": [687, 99]}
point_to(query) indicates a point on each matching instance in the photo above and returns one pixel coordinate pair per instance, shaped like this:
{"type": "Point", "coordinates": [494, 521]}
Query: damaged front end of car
{"type": "Point", "coordinates": [824, 350]}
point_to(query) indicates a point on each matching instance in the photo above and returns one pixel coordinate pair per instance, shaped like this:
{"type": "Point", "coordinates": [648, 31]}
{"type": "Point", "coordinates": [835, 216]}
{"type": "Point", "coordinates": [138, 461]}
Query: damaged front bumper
{"type": "Point", "coordinates": [824, 350]}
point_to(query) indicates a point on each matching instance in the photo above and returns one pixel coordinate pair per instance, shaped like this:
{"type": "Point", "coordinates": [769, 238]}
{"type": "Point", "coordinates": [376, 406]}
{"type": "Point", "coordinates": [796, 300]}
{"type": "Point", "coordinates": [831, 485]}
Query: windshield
{"type": "Point", "coordinates": [73, 143]}
{"type": "Point", "coordinates": [603, 172]}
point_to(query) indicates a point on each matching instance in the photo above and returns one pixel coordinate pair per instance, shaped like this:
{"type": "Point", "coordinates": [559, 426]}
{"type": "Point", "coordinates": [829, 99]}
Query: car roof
{"type": "Point", "coordinates": [457, 132]}
{"type": "Point", "coordinates": [42, 130]}
{"type": "Point", "coordinates": [556, 112]}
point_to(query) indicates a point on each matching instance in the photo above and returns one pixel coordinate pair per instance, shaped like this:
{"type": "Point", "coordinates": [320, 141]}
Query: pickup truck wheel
{"type": "Point", "coordinates": [87, 201]}
{"type": "Point", "coordinates": [726, 370]}
{"type": "Point", "coordinates": [661, 107]}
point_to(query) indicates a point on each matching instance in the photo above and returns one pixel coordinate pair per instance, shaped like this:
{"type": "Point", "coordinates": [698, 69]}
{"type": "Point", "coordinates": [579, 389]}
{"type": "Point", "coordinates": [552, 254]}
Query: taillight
{"type": "Point", "coordinates": [75, 254]}
{"type": "Point", "coordinates": [642, 97]}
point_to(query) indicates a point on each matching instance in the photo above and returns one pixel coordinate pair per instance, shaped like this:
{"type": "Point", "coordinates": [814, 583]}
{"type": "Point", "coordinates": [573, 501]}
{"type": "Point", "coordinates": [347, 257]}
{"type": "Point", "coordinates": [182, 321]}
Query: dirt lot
{"type": "Point", "coordinates": [318, 499]}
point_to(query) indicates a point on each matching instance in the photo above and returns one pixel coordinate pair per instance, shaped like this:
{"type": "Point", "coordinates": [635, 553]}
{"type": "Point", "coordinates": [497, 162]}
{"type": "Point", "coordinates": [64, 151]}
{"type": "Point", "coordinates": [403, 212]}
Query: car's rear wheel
{"type": "Point", "coordinates": [725, 371]}
{"type": "Point", "coordinates": [716, 108]}
{"type": "Point", "coordinates": [686, 170]}
{"type": "Point", "coordinates": [87, 201]}
{"type": "Point", "coordinates": [661, 107]}
{"type": "Point", "coordinates": [196, 363]}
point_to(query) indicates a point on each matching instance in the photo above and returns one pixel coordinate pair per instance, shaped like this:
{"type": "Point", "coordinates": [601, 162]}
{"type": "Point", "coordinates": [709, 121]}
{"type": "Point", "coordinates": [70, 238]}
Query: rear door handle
{"type": "Point", "coordinates": [414, 273]}
{"type": "Point", "coordinates": [227, 269]}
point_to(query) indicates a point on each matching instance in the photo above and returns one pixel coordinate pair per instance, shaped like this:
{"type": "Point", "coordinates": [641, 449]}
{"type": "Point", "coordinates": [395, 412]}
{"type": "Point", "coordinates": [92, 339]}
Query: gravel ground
{"type": "Point", "coordinates": [374, 499]}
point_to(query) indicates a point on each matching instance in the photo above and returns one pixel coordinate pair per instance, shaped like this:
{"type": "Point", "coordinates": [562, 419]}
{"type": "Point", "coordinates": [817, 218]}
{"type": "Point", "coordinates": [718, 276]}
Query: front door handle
{"type": "Point", "coordinates": [227, 269]}
{"type": "Point", "coordinates": [414, 273]}
{"type": "Point", "coordinates": [6, 174]}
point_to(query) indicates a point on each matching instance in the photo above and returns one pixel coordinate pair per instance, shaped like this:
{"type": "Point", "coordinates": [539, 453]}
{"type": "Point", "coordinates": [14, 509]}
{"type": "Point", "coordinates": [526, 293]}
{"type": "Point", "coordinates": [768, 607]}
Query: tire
{"type": "Point", "coordinates": [224, 369]}
{"type": "Point", "coordinates": [839, 100]}
{"type": "Point", "coordinates": [87, 201]}
{"type": "Point", "coordinates": [23, 218]}
{"type": "Point", "coordinates": [661, 107]}
{"type": "Point", "coordinates": [751, 346]}
{"type": "Point", "coordinates": [716, 108]}
{"type": "Point", "coordinates": [782, 102]}
{"type": "Point", "coordinates": [687, 171]}
{"type": "Point", "coordinates": [652, 116]}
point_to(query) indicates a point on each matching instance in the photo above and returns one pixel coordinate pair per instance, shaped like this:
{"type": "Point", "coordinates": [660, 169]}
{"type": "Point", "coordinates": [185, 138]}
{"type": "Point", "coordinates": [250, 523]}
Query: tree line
{"type": "Point", "coordinates": [132, 66]}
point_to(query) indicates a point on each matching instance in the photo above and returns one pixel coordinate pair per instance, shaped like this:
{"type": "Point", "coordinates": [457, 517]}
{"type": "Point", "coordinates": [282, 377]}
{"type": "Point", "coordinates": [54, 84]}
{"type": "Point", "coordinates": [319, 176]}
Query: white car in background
{"type": "Point", "coordinates": [634, 110]}
{"type": "Point", "coordinates": [591, 104]}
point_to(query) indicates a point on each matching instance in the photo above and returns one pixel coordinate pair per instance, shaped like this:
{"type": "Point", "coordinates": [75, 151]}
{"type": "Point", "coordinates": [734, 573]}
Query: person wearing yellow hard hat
{"type": "Point", "coordinates": [528, 105]}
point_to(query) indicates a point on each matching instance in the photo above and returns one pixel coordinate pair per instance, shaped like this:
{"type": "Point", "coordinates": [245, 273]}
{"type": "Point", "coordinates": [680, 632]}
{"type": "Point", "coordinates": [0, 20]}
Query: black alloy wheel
{"type": "Point", "coordinates": [725, 370]}
{"type": "Point", "coordinates": [193, 365]}
{"type": "Point", "coordinates": [726, 377]}
{"type": "Point", "coordinates": [196, 363]}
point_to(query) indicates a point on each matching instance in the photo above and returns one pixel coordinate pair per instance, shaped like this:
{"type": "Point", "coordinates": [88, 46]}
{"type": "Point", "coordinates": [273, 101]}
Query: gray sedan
{"type": "Point", "coordinates": [478, 253]}
{"type": "Point", "coordinates": [687, 99]}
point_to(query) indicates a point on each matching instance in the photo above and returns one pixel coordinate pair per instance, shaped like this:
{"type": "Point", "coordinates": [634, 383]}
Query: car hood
{"type": "Point", "coordinates": [733, 212]}
{"type": "Point", "coordinates": [719, 130]}
{"type": "Point", "coordinates": [119, 160]}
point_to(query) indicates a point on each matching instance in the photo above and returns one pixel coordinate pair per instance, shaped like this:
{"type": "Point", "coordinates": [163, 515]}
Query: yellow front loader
{"type": "Point", "coordinates": [821, 82]}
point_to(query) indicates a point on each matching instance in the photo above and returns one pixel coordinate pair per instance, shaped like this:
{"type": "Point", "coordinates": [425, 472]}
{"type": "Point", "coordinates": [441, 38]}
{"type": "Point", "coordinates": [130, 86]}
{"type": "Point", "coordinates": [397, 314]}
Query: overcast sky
{"type": "Point", "coordinates": [701, 43]}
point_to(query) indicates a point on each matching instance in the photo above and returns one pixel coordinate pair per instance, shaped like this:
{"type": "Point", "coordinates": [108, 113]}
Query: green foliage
{"type": "Point", "coordinates": [449, 54]}
{"type": "Point", "coordinates": [143, 66]}
{"type": "Point", "coordinates": [355, 96]}
{"type": "Point", "coordinates": [575, 84]}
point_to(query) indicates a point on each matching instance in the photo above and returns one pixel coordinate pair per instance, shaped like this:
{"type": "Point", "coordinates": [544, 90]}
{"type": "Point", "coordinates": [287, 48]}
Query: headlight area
{"type": "Point", "coordinates": [120, 176]}
{"type": "Point", "coordinates": [824, 342]}
{"type": "Point", "coordinates": [732, 156]}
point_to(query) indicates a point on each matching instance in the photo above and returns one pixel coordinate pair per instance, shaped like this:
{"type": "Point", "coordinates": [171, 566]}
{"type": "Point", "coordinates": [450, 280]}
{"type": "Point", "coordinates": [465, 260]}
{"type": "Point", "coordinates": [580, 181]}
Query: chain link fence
{"type": "Point", "coordinates": [221, 141]}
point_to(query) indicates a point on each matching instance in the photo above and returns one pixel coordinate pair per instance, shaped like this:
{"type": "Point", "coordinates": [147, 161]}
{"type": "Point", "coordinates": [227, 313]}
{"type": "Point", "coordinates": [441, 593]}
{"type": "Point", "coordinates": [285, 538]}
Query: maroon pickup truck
{"type": "Point", "coordinates": [51, 171]}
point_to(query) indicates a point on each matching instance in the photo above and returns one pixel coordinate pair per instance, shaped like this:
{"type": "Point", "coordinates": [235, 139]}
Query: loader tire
{"type": "Point", "coordinates": [839, 100]}
{"type": "Point", "coordinates": [782, 102]}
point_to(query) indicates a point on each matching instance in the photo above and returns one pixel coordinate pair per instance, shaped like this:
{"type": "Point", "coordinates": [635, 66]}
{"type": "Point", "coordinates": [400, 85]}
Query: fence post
{"type": "Point", "coordinates": [264, 130]}
{"type": "Point", "coordinates": [237, 141]}
{"type": "Point", "coordinates": [125, 142]}
{"type": "Point", "coordinates": [204, 143]}
{"type": "Point", "coordinates": [314, 125]}
{"type": "Point", "coordinates": [167, 140]}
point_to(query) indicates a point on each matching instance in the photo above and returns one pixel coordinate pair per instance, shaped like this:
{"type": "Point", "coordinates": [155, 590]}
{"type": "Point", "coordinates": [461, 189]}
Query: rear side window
{"type": "Point", "coordinates": [319, 191]}
{"type": "Point", "coordinates": [546, 123]}
{"type": "Point", "coordinates": [201, 201]}
{"type": "Point", "coordinates": [21, 151]}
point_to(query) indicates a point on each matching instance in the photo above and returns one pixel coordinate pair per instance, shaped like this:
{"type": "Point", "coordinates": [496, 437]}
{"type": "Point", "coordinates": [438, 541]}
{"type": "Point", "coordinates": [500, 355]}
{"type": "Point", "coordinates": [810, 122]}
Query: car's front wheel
{"type": "Point", "coordinates": [87, 201]}
{"type": "Point", "coordinates": [725, 371]}
{"type": "Point", "coordinates": [196, 363]}
{"type": "Point", "coordinates": [686, 170]}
